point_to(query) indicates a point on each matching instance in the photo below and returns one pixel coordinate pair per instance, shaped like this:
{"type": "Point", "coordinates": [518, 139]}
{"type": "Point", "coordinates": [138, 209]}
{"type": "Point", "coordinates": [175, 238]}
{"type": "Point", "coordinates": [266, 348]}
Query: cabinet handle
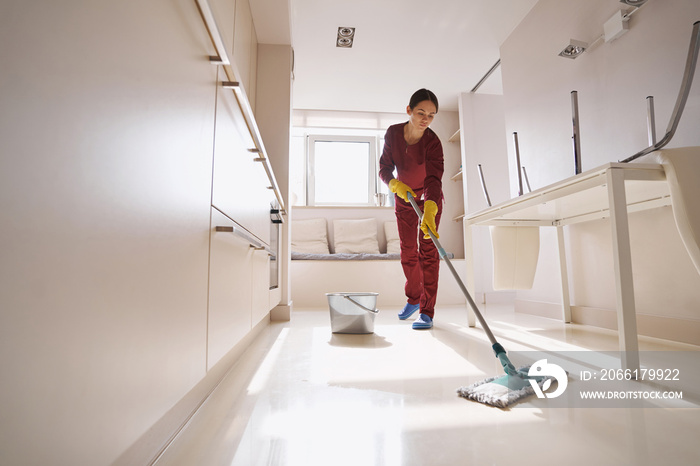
{"type": "Point", "coordinates": [207, 14]}
{"type": "Point", "coordinates": [242, 233]}
{"type": "Point", "coordinates": [258, 248]}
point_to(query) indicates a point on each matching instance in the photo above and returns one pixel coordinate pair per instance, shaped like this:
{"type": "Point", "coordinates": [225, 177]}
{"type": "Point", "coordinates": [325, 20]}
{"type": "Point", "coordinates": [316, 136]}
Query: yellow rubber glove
{"type": "Point", "coordinates": [396, 186]}
{"type": "Point", "coordinates": [430, 210]}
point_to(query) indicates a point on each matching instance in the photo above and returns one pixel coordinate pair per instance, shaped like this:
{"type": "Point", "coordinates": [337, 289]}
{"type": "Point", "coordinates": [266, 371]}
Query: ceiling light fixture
{"type": "Point", "coordinates": [345, 38]}
{"type": "Point", "coordinates": [636, 4]}
{"type": "Point", "coordinates": [574, 49]}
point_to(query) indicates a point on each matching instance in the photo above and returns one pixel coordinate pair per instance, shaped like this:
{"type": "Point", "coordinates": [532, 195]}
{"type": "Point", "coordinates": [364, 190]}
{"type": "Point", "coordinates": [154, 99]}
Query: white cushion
{"type": "Point", "coordinates": [393, 243]}
{"type": "Point", "coordinates": [355, 236]}
{"type": "Point", "coordinates": [515, 254]}
{"type": "Point", "coordinates": [310, 236]}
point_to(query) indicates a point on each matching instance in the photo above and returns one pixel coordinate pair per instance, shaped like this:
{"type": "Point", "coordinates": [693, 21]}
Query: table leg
{"type": "Point", "coordinates": [469, 264]}
{"type": "Point", "coordinates": [564, 273]}
{"type": "Point", "coordinates": [626, 314]}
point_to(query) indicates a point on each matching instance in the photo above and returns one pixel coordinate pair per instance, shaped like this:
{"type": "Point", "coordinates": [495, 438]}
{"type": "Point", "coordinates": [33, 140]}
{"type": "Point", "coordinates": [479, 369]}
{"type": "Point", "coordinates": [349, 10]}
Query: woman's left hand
{"type": "Point", "coordinates": [430, 210]}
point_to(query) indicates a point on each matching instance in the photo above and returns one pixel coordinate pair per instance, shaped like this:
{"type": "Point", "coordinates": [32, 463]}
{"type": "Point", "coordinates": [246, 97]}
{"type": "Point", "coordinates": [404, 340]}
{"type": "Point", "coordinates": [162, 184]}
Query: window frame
{"type": "Point", "coordinates": [372, 174]}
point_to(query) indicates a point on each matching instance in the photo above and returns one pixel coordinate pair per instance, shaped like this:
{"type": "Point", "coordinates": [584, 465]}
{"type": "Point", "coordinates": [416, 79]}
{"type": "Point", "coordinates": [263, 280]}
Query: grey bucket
{"type": "Point", "coordinates": [352, 312]}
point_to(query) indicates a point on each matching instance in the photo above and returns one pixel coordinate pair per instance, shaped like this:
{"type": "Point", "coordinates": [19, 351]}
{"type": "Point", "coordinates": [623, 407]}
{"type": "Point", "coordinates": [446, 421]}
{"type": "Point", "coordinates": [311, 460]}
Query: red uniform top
{"type": "Point", "coordinates": [420, 165]}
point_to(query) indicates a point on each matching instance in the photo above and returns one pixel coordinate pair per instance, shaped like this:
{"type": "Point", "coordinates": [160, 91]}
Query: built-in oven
{"type": "Point", "coordinates": [275, 225]}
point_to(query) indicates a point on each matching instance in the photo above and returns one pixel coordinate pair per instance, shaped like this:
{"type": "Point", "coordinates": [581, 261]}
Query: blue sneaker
{"type": "Point", "coordinates": [408, 311]}
{"type": "Point", "coordinates": [423, 322]}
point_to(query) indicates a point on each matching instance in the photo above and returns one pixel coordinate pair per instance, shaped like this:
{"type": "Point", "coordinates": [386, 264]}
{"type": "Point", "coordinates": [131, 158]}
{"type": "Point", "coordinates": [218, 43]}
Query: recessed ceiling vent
{"type": "Point", "coordinates": [345, 38]}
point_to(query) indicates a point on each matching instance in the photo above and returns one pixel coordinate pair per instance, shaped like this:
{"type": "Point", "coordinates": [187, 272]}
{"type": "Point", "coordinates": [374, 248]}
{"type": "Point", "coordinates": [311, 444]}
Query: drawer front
{"type": "Point", "coordinates": [230, 289]}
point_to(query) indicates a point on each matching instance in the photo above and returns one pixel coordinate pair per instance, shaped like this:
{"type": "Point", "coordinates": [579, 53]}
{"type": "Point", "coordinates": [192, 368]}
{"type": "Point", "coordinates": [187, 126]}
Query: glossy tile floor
{"type": "Point", "coordinates": [301, 395]}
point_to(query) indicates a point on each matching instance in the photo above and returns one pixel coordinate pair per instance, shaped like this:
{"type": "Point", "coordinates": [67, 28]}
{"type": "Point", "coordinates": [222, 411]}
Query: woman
{"type": "Point", "coordinates": [415, 151]}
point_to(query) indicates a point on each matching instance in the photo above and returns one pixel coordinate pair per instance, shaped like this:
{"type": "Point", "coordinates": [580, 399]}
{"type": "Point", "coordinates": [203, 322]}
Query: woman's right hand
{"type": "Point", "coordinates": [396, 186]}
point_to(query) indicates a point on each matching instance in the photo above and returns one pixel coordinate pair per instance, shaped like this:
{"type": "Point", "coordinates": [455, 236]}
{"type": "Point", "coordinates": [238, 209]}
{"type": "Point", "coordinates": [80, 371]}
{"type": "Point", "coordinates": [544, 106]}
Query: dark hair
{"type": "Point", "coordinates": [420, 95]}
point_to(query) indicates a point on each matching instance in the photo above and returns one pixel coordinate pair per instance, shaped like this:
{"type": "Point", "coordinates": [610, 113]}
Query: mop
{"type": "Point", "coordinates": [499, 391]}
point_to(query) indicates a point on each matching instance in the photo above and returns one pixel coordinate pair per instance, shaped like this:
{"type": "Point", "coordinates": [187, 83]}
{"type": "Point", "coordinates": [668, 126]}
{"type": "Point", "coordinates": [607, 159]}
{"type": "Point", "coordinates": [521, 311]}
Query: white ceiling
{"type": "Point", "coordinates": [446, 46]}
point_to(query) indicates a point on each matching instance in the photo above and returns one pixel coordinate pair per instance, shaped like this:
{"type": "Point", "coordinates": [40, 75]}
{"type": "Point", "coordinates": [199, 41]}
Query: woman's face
{"type": "Point", "coordinates": [422, 114]}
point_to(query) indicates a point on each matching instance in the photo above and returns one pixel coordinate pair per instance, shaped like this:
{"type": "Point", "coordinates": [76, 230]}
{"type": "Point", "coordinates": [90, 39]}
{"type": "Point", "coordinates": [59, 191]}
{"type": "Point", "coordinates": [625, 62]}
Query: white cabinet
{"type": "Point", "coordinates": [245, 48]}
{"type": "Point", "coordinates": [230, 289]}
{"type": "Point", "coordinates": [239, 286]}
{"type": "Point", "coordinates": [261, 286]}
{"type": "Point", "coordinates": [239, 283]}
{"type": "Point", "coordinates": [240, 184]}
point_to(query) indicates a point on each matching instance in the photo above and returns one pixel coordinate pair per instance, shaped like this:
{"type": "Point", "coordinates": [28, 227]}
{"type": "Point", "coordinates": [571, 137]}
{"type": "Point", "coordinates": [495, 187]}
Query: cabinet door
{"type": "Point", "coordinates": [240, 185]}
{"type": "Point", "coordinates": [224, 11]}
{"type": "Point", "coordinates": [244, 44]}
{"type": "Point", "coordinates": [230, 288]}
{"type": "Point", "coordinates": [261, 286]}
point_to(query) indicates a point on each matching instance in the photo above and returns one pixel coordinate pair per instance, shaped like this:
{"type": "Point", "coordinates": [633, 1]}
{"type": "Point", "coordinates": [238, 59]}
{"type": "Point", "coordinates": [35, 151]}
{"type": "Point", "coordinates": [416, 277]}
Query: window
{"type": "Point", "coordinates": [381, 187]}
{"type": "Point", "coordinates": [341, 170]}
{"type": "Point", "coordinates": [297, 169]}
{"type": "Point", "coordinates": [335, 170]}
{"type": "Point", "coordinates": [336, 167]}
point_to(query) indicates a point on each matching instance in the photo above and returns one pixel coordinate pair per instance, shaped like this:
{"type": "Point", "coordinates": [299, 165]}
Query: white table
{"type": "Point", "coordinates": [611, 190]}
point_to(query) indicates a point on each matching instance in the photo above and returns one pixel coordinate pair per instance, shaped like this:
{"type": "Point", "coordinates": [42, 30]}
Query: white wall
{"type": "Point", "coordinates": [274, 89]}
{"type": "Point", "coordinates": [612, 80]}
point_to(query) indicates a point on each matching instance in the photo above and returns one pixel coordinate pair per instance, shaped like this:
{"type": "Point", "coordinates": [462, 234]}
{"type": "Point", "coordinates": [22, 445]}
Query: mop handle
{"type": "Point", "coordinates": [443, 255]}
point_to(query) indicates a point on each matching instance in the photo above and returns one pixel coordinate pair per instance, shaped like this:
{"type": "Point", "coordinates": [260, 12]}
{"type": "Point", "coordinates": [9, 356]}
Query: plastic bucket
{"type": "Point", "coordinates": [352, 312]}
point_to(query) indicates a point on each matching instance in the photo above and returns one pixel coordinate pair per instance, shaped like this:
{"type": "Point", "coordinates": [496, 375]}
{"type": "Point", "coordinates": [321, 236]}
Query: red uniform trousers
{"type": "Point", "coordinates": [419, 257]}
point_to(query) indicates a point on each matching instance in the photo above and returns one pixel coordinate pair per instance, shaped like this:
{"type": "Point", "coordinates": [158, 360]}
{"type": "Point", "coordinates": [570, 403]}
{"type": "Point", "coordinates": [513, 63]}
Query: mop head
{"type": "Point", "coordinates": [503, 391]}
